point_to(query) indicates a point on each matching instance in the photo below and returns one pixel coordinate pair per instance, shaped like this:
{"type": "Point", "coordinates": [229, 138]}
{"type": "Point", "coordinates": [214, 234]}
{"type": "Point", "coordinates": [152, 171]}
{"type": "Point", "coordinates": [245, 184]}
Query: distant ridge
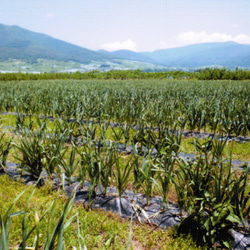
{"type": "Point", "coordinates": [16, 42]}
{"type": "Point", "coordinates": [225, 54]}
{"type": "Point", "coordinates": [130, 55]}
{"type": "Point", "coordinates": [228, 54]}
{"type": "Point", "coordinates": [19, 43]}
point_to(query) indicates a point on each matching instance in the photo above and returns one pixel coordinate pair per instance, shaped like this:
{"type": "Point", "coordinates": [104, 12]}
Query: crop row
{"type": "Point", "coordinates": [214, 195]}
{"type": "Point", "coordinates": [198, 105]}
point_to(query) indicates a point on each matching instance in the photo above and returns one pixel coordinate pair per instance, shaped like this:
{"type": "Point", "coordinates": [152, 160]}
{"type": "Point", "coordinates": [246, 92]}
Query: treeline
{"type": "Point", "coordinates": [205, 74]}
{"type": "Point", "coordinates": [113, 74]}
{"type": "Point", "coordinates": [223, 74]}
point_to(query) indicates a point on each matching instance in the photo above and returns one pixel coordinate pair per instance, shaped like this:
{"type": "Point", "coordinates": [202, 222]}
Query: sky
{"type": "Point", "coordinates": [138, 25]}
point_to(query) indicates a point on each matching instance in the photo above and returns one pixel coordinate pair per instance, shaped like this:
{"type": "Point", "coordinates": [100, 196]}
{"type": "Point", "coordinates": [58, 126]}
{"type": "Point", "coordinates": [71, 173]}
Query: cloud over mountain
{"type": "Point", "coordinates": [125, 45]}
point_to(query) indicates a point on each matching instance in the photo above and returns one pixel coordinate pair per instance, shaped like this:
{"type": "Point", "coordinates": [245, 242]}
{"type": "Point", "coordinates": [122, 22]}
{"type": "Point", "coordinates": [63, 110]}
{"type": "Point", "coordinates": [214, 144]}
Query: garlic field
{"type": "Point", "coordinates": [121, 142]}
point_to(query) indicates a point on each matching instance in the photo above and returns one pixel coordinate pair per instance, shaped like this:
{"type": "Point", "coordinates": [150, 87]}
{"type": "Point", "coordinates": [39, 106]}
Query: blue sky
{"type": "Point", "coordinates": [139, 25]}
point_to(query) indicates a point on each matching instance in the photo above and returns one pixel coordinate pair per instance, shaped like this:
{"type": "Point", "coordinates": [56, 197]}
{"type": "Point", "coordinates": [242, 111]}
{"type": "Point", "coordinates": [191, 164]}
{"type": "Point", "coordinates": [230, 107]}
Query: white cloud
{"type": "Point", "coordinates": [186, 38]}
{"type": "Point", "coordinates": [203, 37]}
{"type": "Point", "coordinates": [127, 44]}
{"type": "Point", "coordinates": [163, 44]}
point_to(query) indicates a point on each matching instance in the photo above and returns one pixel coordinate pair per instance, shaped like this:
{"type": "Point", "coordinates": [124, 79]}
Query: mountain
{"type": "Point", "coordinates": [129, 55]}
{"type": "Point", "coordinates": [19, 43]}
{"type": "Point", "coordinates": [16, 42]}
{"type": "Point", "coordinates": [227, 54]}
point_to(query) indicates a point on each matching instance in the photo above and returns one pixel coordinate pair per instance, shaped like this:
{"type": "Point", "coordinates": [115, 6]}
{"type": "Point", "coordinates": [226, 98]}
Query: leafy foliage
{"type": "Point", "coordinates": [213, 194]}
{"type": "Point", "coordinates": [149, 116]}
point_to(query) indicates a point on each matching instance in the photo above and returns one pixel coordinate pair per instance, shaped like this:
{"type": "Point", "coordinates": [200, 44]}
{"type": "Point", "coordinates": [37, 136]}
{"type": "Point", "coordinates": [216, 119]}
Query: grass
{"type": "Point", "coordinates": [8, 120]}
{"type": "Point", "coordinates": [100, 229]}
{"type": "Point", "coordinates": [240, 150]}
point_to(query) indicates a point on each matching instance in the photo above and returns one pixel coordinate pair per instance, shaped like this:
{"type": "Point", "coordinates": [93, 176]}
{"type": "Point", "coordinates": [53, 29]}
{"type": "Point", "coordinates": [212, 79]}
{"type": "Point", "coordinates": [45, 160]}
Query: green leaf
{"type": "Point", "coordinates": [233, 218]}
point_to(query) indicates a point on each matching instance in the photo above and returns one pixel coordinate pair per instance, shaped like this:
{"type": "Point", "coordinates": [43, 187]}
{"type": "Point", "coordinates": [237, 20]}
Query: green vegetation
{"type": "Point", "coordinates": [40, 65]}
{"type": "Point", "coordinates": [49, 66]}
{"type": "Point", "coordinates": [221, 107]}
{"type": "Point", "coordinates": [214, 194]}
{"type": "Point", "coordinates": [24, 45]}
{"type": "Point", "coordinates": [72, 129]}
{"type": "Point", "coordinates": [95, 74]}
{"type": "Point", "coordinates": [52, 66]}
{"type": "Point", "coordinates": [223, 74]}
{"type": "Point", "coordinates": [95, 229]}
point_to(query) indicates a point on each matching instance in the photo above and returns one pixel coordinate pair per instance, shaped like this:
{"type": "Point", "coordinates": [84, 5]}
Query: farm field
{"type": "Point", "coordinates": [43, 65]}
{"type": "Point", "coordinates": [186, 142]}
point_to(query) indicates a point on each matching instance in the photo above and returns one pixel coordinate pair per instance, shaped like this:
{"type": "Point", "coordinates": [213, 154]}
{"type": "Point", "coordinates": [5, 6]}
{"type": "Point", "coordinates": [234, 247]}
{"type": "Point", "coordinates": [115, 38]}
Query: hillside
{"type": "Point", "coordinates": [16, 42]}
{"type": "Point", "coordinates": [129, 55]}
{"type": "Point", "coordinates": [19, 43]}
{"type": "Point", "coordinates": [228, 54]}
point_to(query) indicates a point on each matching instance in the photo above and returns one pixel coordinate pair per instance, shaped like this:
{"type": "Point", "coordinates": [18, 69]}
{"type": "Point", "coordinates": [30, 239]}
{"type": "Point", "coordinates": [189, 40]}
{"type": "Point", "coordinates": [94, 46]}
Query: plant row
{"type": "Point", "coordinates": [212, 194]}
{"type": "Point", "coordinates": [197, 105]}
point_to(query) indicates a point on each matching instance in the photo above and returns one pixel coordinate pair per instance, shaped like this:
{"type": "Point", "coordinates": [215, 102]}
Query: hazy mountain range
{"type": "Point", "coordinates": [19, 43]}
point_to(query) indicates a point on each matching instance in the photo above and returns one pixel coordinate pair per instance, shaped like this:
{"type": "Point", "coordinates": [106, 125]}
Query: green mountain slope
{"type": "Point", "coordinates": [19, 43]}
{"type": "Point", "coordinates": [16, 42]}
{"type": "Point", "coordinates": [228, 54]}
{"type": "Point", "coordinates": [129, 55]}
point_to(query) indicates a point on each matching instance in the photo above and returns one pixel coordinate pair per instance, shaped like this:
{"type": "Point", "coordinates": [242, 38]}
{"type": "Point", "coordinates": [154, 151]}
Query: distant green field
{"type": "Point", "coordinates": [41, 65]}
{"type": "Point", "coordinates": [45, 65]}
